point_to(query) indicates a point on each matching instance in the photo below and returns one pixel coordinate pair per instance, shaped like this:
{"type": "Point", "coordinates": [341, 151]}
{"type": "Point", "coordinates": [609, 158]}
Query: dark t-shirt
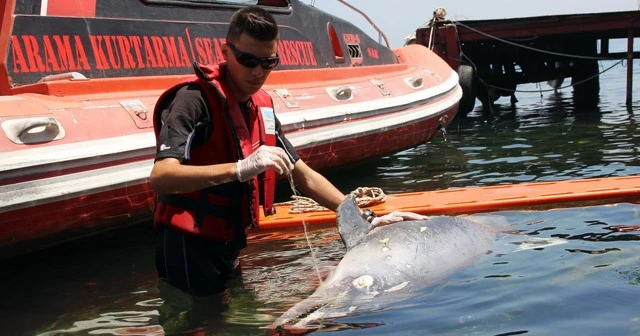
{"type": "Point", "coordinates": [185, 124]}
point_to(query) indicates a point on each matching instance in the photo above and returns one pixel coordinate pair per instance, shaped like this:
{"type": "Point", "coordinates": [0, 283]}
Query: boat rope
{"type": "Point", "coordinates": [438, 15]}
{"type": "Point", "coordinates": [311, 250]}
{"type": "Point", "coordinates": [369, 196]}
{"type": "Point", "coordinates": [365, 196]}
{"type": "Point", "coordinates": [458, 23]}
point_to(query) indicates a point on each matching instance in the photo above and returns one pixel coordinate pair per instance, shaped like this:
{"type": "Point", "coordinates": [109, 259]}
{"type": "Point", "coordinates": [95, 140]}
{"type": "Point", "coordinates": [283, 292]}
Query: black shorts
{"type": "Point", "coordinates": [194, 265]}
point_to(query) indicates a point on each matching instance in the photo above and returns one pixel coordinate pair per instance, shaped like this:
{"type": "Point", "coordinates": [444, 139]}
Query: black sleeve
{"type": "Point", "coordinates": [185, 122]}
{"type": "Point", "coordinates": [284, 143]}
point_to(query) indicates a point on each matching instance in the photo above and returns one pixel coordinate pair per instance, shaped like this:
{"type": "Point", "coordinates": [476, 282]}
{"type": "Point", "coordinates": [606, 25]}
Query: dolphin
{"type": "Point", "coordinates": [386, 264]}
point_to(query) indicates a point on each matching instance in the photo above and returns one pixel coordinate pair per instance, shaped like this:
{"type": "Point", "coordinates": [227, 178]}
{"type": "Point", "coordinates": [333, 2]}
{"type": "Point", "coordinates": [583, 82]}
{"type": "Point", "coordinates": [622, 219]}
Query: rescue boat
{"type": "Point", "coordinates": [80, 78]}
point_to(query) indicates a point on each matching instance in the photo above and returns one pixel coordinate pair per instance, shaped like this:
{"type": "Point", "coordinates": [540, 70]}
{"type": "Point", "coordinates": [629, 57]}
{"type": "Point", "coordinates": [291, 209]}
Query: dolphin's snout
{"type": "Point", "coordinates": [296, 317]}
{"type": "Point", "coordinates": [289, 330]}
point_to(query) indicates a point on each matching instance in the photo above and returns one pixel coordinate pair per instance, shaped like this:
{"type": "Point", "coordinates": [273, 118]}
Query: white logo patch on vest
{"type": "Point", "coordinates": [269, 119]}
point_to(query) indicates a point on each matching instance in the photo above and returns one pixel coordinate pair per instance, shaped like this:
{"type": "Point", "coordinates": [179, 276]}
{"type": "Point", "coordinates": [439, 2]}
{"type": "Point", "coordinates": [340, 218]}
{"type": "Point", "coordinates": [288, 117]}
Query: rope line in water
{"type": "Point", "coordinates": [313, 254]}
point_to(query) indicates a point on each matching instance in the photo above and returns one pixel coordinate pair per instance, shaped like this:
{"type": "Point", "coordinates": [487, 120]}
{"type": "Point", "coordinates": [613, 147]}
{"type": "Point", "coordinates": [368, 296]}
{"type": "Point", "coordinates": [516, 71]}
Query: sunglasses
{"type": "Point", "coordinates": [251, 61]}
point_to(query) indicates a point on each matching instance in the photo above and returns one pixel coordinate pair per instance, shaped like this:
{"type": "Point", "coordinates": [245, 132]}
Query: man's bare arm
{"type": "Point", "coordinates": [316, 186]}
{"type": "Point", "coordinates": [169, 176]}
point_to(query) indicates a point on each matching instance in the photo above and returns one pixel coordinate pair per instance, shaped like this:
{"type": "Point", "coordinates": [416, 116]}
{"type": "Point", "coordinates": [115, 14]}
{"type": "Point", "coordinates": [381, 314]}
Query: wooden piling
{"type": "Point", "coordinates": [629, 67]}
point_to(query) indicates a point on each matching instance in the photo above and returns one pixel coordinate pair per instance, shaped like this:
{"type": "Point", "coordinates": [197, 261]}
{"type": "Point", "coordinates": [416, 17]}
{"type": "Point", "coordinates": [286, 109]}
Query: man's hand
{"type": "Point", "coordinates": [262, 159]}
{"type": "Point", "coordinates": [396, 216]}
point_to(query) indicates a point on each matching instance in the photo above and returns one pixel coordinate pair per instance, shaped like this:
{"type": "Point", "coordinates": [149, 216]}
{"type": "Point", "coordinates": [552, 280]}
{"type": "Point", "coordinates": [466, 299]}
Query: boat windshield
{"type": "Point", "coordinates": [225, 2]}
{"type": "Point", "coordinates": [270, 3]}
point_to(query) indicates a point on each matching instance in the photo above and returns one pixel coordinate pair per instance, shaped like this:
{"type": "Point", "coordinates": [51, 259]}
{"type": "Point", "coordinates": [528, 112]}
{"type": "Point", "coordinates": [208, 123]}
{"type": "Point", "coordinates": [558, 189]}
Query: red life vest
{"type": "Point", "coordinates": [222, 213]}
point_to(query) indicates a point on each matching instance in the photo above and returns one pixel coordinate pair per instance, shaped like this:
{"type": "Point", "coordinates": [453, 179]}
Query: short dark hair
{"type": "Point", "coordinates": [253, 21]}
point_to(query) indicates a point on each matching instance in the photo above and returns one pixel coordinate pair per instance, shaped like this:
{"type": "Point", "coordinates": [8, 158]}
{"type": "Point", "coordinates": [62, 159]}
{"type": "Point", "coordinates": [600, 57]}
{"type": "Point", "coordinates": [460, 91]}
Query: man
{"type": "Point", "coordinates": [219, 147]}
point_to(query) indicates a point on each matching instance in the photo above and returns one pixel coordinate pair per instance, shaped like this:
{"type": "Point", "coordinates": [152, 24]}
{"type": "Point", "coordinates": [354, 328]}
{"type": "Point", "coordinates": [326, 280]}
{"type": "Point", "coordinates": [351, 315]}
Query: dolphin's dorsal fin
{"type": "Point", "coordinates": [351, 226]}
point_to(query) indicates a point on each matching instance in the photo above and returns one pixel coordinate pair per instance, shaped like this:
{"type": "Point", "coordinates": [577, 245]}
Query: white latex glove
{"type": "Point", "coordinates": [262, 159]}
{"type": "Point", "coordinates": [397, 216]}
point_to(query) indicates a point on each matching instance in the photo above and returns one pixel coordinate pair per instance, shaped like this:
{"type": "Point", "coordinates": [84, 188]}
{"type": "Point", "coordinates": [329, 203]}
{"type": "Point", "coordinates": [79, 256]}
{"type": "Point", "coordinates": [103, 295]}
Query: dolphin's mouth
{"type": "Point", "coordinates": [316, 311]}
{"type": "Point", "coordinates": [302, 316]}
{"type": "Point", "coordinates": [295, 325]}
{"type": "Point", "coordinates": [290, 330]}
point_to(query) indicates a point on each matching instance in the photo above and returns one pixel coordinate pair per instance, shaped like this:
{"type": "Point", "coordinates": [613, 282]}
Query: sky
{"type": "Point", "coordinates": [399, 18]}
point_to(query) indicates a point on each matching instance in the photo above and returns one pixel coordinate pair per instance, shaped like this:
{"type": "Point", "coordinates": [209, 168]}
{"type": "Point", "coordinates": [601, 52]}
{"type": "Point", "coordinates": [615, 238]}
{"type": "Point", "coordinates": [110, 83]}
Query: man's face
{"type": "Point", "coordinates": [247, 80]}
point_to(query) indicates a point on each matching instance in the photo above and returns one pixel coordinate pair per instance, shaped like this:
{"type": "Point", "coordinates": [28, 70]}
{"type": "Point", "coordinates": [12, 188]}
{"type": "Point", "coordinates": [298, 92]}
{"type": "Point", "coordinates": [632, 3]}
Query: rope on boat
{"type": "Point", "coordinates": [458, 23]}
{"type": "Point", "coordinates": [365, 196]}
{"type": "Point", "coordinates": [438, 15]}
{"type": "Point", "coordinates": [542, 51]}
{"type": "Point", "coordinates": [369, 196]}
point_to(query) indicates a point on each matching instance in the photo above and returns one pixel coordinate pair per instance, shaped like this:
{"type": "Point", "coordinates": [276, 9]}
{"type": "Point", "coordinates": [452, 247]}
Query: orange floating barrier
{"type": "Point", "coordinates": [537, 195]}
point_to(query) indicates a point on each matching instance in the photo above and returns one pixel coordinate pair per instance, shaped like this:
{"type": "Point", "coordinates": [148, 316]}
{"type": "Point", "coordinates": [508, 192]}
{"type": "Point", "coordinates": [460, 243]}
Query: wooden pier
{"type": "Point", "coordinates": [494, 56]}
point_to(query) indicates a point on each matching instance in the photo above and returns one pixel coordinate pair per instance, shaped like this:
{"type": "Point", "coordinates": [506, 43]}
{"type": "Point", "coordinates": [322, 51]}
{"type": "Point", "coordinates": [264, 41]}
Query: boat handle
{"type": "Point", "coordinates": [343, 93]}
{"type": "Point", "coordinates": [416, 81]}
{"type": "Point", "coordinates": [32, 130]}
{"type": "Point", "coordinates": [72, 76]}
